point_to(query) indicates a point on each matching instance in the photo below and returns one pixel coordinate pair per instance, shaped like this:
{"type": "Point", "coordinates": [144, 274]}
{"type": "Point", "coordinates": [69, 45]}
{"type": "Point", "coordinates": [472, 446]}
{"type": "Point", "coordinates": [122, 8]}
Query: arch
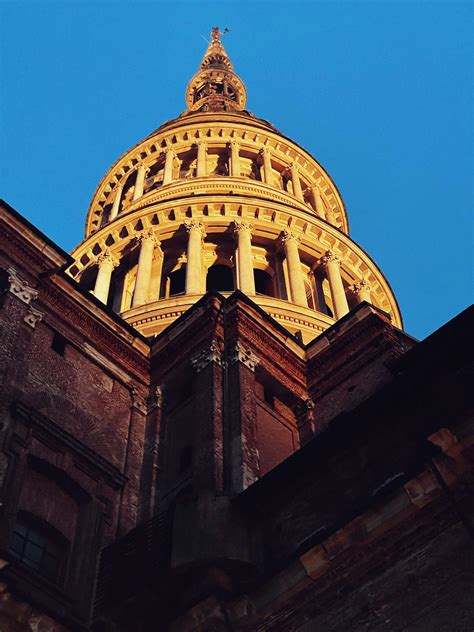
{"type": "Point", "coordinates": [220, 278]}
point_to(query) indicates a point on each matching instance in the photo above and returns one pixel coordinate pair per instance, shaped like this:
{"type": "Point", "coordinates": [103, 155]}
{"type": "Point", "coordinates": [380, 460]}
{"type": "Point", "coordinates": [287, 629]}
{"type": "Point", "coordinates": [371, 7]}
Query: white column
{"type": "Point", "coordinates": [331, 262]}
{"type": "Point", "coordinates": [243, 230]}
{"type": "Point", "coordinates": [296, 182]}
{"type": "Point", "coordinates": [168, 170]}
{"type": "Point", "coordinates": [139, 182]}
{"type": "Point", "coordinates": [201, 158]}
{"type": "Point", "coordinates": [117, 199]}
{"type": "Point", "coordinates": [147, 242]}
{"type": "Point", "coordinates": [194, 263]}
{"type": "Point", "coordinates": [316, 201]}
{"type": "Point", "coordinates": [267, 165]}
{"type": "Point", "coordinates": [234, 158]}
{"type": "Point", "coordinates": [295, 274]}
{"type": "Point", "coordinates": [362, 291]}
{"type": "Point", "coordinates": [107, 263]}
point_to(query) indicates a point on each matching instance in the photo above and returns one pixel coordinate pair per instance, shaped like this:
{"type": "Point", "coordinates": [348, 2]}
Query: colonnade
{"type": "Point", "coordinates": [150, 249]}
{"type": "Point", "coordinates": [292, 172]}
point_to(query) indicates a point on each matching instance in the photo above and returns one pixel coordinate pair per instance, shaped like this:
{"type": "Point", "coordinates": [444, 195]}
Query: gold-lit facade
{"type": "Point", "coordinates": [219, 199]}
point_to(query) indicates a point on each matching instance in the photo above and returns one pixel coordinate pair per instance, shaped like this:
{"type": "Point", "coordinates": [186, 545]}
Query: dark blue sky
{"type": "Point", "coordinates": [379, 92]}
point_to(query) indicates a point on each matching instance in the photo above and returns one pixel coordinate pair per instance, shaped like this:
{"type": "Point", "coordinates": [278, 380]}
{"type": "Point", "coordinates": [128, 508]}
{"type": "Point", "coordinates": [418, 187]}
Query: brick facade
{"type": "Point", "coordinates": [234, 477]}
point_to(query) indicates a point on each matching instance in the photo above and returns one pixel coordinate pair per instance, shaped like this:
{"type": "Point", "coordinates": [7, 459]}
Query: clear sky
{"type": "Point", "coordinates": [379, 92]}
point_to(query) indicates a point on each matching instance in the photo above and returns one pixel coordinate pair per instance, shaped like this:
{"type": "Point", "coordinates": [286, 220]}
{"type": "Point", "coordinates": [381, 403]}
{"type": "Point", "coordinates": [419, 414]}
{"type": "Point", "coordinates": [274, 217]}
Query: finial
{"type": "Point", "coordinates": [215, 87]}
{"type": "Point", "coordinates": [216, 33]}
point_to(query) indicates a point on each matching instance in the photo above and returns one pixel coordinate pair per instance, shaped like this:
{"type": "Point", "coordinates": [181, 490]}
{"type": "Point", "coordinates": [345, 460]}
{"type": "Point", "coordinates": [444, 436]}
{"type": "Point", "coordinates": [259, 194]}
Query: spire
{"type": "Point", "coordinates": [215, 87]}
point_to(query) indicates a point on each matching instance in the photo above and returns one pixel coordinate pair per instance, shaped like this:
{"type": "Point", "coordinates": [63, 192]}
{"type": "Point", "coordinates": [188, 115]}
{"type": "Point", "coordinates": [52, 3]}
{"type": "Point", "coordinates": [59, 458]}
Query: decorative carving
{"type": "Point", "coordinates": [156, 398]}
{"type": "Point", "coordinates": [139, 400]}
{"type": "Point", "coordinates": [20, 288]}
{"type": "Point", "coordinates": [240, 354]}
{"type": "Point", "coordinates": [206, 356]}
{"type": "Point", "coordinates": [242, 226]}
{"type": "Point", "coordinates": [107, 258]}
{"type": "Point", "coordinates": [289, 235]}
{"type": "Point", "coordinates": [194, 224]}
{"type": "Point", "coordinates": [361, 287]}
{"type": "Point", "coordinates": [148, 235]}
{"type": "Point", "coordinates": [329, 257]}
{"type": "Point", "coordinates": [33, 316]}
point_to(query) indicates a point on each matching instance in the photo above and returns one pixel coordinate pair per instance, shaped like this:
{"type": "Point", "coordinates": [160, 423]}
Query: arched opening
{"type": "Point", "coordinates": [177, 281]}
{"type": "Point", "coordinates": [220, 278]}
{"type": "Point", "coordinates": [263, 283]}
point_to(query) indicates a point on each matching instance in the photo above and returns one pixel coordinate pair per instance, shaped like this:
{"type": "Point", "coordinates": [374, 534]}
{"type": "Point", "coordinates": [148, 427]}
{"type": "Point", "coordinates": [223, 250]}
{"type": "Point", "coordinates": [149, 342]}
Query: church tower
{"type": "Point", "coordinates": [218, 199]}
{"type": "Point", "coordinates": [211, 419]}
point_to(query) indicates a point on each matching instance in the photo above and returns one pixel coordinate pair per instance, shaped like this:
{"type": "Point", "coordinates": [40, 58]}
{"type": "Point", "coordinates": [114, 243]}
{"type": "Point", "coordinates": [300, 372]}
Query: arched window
{"type": "Point", "coordinates": [263, 283]}
{"type": "Point", "coordinates": [38, 546]}
{"type": "Point", "coordinates": [177, 281]}
{"type": "Point", "coordinates": [220, 278]}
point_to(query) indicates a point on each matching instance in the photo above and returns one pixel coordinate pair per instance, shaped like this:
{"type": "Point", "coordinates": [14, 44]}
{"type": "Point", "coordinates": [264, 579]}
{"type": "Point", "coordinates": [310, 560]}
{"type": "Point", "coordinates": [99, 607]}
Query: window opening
{"type": "Point", "coordinates": [177, 281]}
{"type": "Point", "coordinates": [263, 283]}
{"type": "Point", "coordinates": [38, 548]}
{"type": "Point", "coordinates": [220, 278]}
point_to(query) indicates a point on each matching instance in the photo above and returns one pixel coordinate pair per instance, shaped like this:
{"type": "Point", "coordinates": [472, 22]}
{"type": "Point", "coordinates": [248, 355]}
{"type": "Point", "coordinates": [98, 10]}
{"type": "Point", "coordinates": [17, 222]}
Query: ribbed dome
{"type": "Point", "coordinates": [219, 199]}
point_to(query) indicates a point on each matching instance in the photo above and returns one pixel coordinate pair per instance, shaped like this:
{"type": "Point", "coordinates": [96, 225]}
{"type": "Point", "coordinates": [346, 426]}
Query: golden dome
{"type": "Point", "coordinates": [219, 199]}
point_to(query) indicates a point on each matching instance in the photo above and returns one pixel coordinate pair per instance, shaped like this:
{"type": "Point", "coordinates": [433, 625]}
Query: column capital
{"type": "Point", "coordinates": [234, 143]}
{"type": "Point", "coordinates": [242, 227]}
{"type": "Point", "coordinates": [170, 151]}
{"type": "Point", "coordinates": [290, 236]}
{"type": "Point", "coordinates": [20, 288]}
{"type": "Point", "coordinates": [141, 164]}
{"type": "Point", "coordinates": [266, 150]}
{"type": "Point", "coordinates": [240, 354]}
{"type": "Point", "coordinates": [33, 316]}
{"type": "Point", "coordinates": [201, 142]}
{"type": "Point", "coordinates": [194, 224]}
{"type": "Point", "coordinates": [330, 257]}
{"type": "Point", "coordinates": [361, 286]}
{"type": "Point", "coordinates": [294, 166]}
{"type": "Point", "coordinates": [107, 258]}
{"type": "Point", "coordinates": [206, 356]}
{"type": "Point", "coordinates": [148, 235]}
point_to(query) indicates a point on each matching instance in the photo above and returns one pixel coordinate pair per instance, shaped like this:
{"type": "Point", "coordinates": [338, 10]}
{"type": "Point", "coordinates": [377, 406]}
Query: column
{"type": "Point", "coordinates": [296, 182]}
{"type": "Point", "coordinates": [234, 159]}
{"type": "Point", "coordinates": [107, 263]}
{"type": "Point", "coordinates": [267, 165]}
{"type": "Point", "coordinates": [117, 199]}
{"type": "Point", "coordinates": [139, 182]}
{"type": "Point", "coordinates": [194, 263]}
{"type": "Point", "coordinates": [330, 217]}
{"type": "Point", "coordinates": [316, 201]}
{"type": "Point", "coordinates": [201, 158]}
{"type": "Point", "coordinates": [147, 242]}
{"type": "Point", "coordinates": [295, 274]}
{"type": "Point", "coordinates": [339, 300]}
{"type": "Point", "coordinates": [362, 291]}
{"type": "Point", "coordinates": [243, 230]}
{"type": "Point", "coordinates": [168, 170]}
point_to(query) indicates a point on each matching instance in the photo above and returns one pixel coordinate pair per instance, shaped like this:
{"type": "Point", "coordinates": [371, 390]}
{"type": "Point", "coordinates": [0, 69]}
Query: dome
{"type": "Point", "coordinates": [218, 199]}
